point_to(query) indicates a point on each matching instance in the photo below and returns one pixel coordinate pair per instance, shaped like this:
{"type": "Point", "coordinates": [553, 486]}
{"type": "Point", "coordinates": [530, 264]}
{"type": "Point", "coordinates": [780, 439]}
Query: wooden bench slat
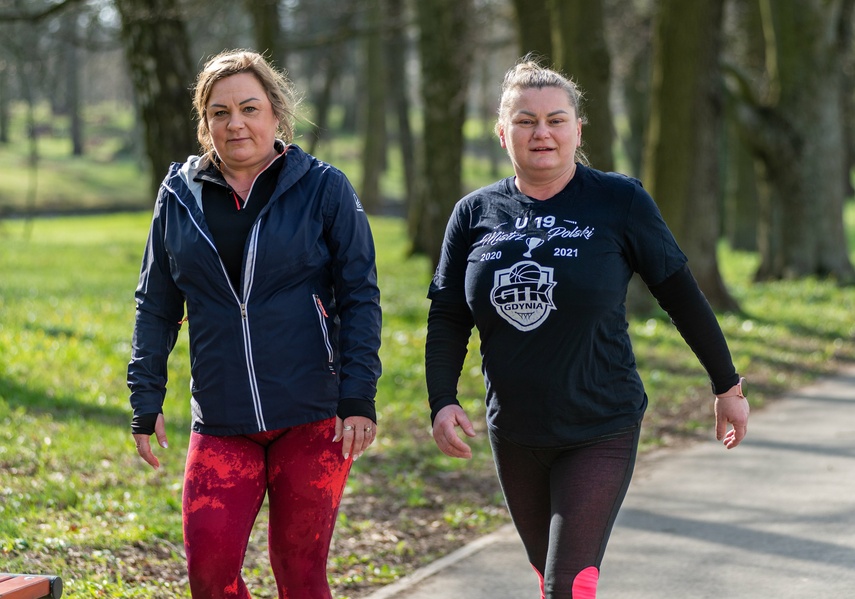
{"type": "Point", "coordinates": [24, 587]}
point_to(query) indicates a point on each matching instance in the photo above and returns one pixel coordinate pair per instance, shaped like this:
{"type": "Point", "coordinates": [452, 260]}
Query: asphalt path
{"type": "Point", "coordinates": [771, 519]}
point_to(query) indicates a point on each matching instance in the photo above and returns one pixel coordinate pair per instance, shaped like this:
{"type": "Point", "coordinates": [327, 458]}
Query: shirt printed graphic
{"type": "Point", "coordinates": [522, 294]}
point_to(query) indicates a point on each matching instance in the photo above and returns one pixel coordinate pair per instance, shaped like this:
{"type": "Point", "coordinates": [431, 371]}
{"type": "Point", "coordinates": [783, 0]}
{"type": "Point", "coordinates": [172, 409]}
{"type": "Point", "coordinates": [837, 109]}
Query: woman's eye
{"type": "Point", "coordinates": [250, 109]}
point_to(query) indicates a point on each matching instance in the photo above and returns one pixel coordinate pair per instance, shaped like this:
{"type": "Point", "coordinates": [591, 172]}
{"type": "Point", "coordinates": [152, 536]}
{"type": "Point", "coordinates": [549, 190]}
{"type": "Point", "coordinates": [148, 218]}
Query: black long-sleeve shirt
{"type": "Point", "coordinates": [545, 282]}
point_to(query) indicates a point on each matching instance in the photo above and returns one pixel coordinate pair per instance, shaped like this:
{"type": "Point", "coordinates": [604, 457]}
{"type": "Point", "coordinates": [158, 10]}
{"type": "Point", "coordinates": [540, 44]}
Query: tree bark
{"type": "Point", "coordinates": [795, 129]}
{"type": "Point", "coordinates": [156, 47]}
{"type": "Point", "coordinates": [268, 33]}
{"type": "Point", "coordinates": [5, 102]}
{"type": "Point", "coordinates": [631, 64]}
{"type": "Point", "coordinates": [744, 195]}
{"type": "Point", "coordinates": [374, 121]}
{"type": "Point", "coordinates": [396, 54]}
{"type": "Point", "coordinates": [71, 64]}
{"type": "Point", "coordinates": [584, 55]}
{"type": "Point", "coordinates": [445, 32]}
{"type": "Point", "coordinates": [534, 26]}
{"type": "Point", "coordinates": [741, 199]}
{"type": "Point", "coordinates": [848, 96]}
{"type": "Point", "coordinates": [330, 65]}
{"type": "Point", "coordinates": [681, 169]}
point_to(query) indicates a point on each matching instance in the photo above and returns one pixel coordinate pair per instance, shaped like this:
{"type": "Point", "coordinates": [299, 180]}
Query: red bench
{"type": "Point", "coordinates": [30, 586]}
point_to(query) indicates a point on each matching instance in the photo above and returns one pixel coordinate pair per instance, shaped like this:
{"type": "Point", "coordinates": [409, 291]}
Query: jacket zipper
{"type": "Point", "coordinates": [249, 273]}
{"type": "Point", "coordinates": [322, 316]}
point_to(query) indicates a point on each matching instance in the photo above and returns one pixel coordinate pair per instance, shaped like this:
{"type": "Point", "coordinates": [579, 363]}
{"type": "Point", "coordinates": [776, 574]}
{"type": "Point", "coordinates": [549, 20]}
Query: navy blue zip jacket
{"type": "Point", "coordinates": [298, 342]}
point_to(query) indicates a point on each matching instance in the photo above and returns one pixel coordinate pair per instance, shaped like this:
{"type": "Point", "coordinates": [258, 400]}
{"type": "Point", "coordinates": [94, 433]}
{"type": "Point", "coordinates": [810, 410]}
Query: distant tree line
{"type": "Point", "coordinates": [737, 115]}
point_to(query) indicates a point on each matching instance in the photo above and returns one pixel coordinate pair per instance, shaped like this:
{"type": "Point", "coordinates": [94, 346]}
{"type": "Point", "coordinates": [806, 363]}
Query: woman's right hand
{"type": "Point", "coordinates": [445, 435]}
{"type": "Point", "coordinates": [143, 442]}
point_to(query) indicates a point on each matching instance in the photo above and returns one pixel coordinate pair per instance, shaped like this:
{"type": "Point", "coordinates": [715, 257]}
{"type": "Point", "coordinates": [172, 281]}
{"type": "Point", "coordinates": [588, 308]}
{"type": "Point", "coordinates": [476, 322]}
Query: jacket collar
{"type": "Point", "coordinates": [195, 170]}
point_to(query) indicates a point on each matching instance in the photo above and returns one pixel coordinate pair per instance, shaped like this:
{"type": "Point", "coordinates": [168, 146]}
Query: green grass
{"type": "Point", "coordinates": [76, 500]}
{"type": "Point", "coordinates": [107, 176]}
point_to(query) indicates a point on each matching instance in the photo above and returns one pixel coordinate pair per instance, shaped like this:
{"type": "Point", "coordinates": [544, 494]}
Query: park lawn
{"type": "Point", "coordinates": [75, 499]}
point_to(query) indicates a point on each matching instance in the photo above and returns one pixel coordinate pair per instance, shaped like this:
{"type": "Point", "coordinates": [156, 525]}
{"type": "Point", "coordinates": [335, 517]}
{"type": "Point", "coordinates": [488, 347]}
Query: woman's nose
{"type": "Point", "coordinates": [541, 130]}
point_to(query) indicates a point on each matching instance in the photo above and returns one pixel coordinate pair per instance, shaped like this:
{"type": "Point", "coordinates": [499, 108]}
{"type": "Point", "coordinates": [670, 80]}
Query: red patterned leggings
{"type": "Point", "coordinates": [225, 481]}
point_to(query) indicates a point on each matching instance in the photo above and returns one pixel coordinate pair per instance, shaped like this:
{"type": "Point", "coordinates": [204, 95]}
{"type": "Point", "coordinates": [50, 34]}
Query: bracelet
{"type": "Point", "coordinates": [739, 392]}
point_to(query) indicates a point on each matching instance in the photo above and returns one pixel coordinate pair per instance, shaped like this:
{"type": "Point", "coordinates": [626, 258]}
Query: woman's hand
{"type": "Point", "coordinates": [445, 435]}
{"type": "Point", "coordinates": [143, 442]}
{"type": "Point", "coordinates": [355, 433]}
{"type": "Point", "coordinates": [731, 408]}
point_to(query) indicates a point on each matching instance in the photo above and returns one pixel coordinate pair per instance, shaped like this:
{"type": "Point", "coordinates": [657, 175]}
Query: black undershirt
{"type": "Point", "coordinates": [229, 225]}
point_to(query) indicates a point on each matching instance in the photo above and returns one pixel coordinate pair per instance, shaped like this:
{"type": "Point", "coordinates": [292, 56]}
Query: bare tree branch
{"type": "Point", "coordinates": [35, 17]}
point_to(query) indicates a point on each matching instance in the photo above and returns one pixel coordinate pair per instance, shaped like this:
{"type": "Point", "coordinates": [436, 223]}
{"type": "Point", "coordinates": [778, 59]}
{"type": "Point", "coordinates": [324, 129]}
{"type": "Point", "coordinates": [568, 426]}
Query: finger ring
{"type": "Point", "coordinates": [348, 428]}
{"type": "Point", "coordinates": [367, 429]}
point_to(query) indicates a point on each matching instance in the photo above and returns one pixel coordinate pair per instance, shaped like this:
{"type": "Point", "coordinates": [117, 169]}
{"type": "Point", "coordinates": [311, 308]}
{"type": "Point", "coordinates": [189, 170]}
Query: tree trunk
{"type": "Point", "coordinates": [330, 65]}
{"type": "Point", "coordinates": [584, 55]}
{"type": "Point", "coordinates": [156, 47]}
{"type": "Point", "coordinates": [796, 131]}
{"type": "Point", "coordinates": [71, 64]}
{"type": "Point", "coordinates": [374, 122]}
{"type": "Point", "coordinates": [268, 34]}
{"type": "Point", "coordinates": [5, 102]}
{"type": "Point", "coordinates": [741, 201]}
{"type": "Point", "coordinates": [396, 54]}
{"type": "Point", "coordinates": [534, 26]}
{"type": "Point", "coordinates": [682, 147]}
{"type": "Point", "coordinates": [848, 96]}
{"type": "Point", "coordinates": [488, 104]}
{"type": "Point", "coordinates": [636, 95]}
{"type": "Point", "coordinates": [631, 64]}
{"type": "Point", "coordinates": [445, 35]}
{"type": "Point", "coordinates": [323, 99]}
{"type": "Point", "coordinates": [744, 196]}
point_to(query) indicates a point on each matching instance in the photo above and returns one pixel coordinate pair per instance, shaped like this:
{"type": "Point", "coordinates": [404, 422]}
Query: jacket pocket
{"type": "Point", "coordinates": [322, 320]}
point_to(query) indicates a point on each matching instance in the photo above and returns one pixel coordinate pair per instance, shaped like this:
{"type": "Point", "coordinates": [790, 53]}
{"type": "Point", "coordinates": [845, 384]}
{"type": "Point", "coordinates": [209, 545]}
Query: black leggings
{"type": "Point", "coordinates": [564, 502]}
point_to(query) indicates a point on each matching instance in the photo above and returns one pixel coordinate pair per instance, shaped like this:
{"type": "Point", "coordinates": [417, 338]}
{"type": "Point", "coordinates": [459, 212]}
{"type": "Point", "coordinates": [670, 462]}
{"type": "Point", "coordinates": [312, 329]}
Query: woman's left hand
{"type": "Point", "coordinates": [731, 408]}
{"type": "Point", "coordinates": [355, 433]}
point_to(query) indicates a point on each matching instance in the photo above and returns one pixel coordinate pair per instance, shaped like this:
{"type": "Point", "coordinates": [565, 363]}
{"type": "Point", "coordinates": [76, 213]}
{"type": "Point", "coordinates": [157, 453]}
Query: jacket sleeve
{"type": "Point", "coordinates": [159, 310]}
{"type": "Point", "coordinates": [354, 272]}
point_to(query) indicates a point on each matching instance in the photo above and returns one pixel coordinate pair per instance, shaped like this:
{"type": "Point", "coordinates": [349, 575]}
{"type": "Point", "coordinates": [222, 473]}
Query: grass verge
{"type": "Point", "coordinates": [76, 500]}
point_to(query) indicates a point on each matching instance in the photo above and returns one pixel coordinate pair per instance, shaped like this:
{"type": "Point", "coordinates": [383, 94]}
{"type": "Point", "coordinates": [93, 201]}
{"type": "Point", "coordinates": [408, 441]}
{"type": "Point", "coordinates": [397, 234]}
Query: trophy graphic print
{"type": "Point", "coordinates": [532, 242]}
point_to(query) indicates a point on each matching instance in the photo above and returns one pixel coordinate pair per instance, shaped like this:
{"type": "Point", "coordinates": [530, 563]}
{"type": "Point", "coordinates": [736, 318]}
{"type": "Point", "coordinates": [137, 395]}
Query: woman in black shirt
{"type": "Point", "coordinates": [540, 264]}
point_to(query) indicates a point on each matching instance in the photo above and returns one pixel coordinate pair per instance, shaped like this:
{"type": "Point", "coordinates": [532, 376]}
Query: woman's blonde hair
{"type": "Point", "coordinates": [528, 73]}
{"type": "Point", "coordinates": [279, 89]}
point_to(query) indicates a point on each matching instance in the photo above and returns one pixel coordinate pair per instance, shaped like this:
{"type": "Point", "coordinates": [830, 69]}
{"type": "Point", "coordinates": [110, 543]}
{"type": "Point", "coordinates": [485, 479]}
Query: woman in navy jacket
{"type": "Point", "coordinates": [270, 253]}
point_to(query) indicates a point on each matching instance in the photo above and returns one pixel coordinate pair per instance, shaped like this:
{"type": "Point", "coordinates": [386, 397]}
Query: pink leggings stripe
{"type": "Point", "coordinates": [303, 474]}
{"type": "Point", "coordinates": [584, 585]}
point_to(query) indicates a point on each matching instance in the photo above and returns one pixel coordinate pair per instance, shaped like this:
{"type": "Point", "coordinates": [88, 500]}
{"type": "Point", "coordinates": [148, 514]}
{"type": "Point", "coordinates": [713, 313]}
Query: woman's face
{"type": "Point", "coordinates": [242, 122]}
{"type": "Point", "coordinates": [541, 133]}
